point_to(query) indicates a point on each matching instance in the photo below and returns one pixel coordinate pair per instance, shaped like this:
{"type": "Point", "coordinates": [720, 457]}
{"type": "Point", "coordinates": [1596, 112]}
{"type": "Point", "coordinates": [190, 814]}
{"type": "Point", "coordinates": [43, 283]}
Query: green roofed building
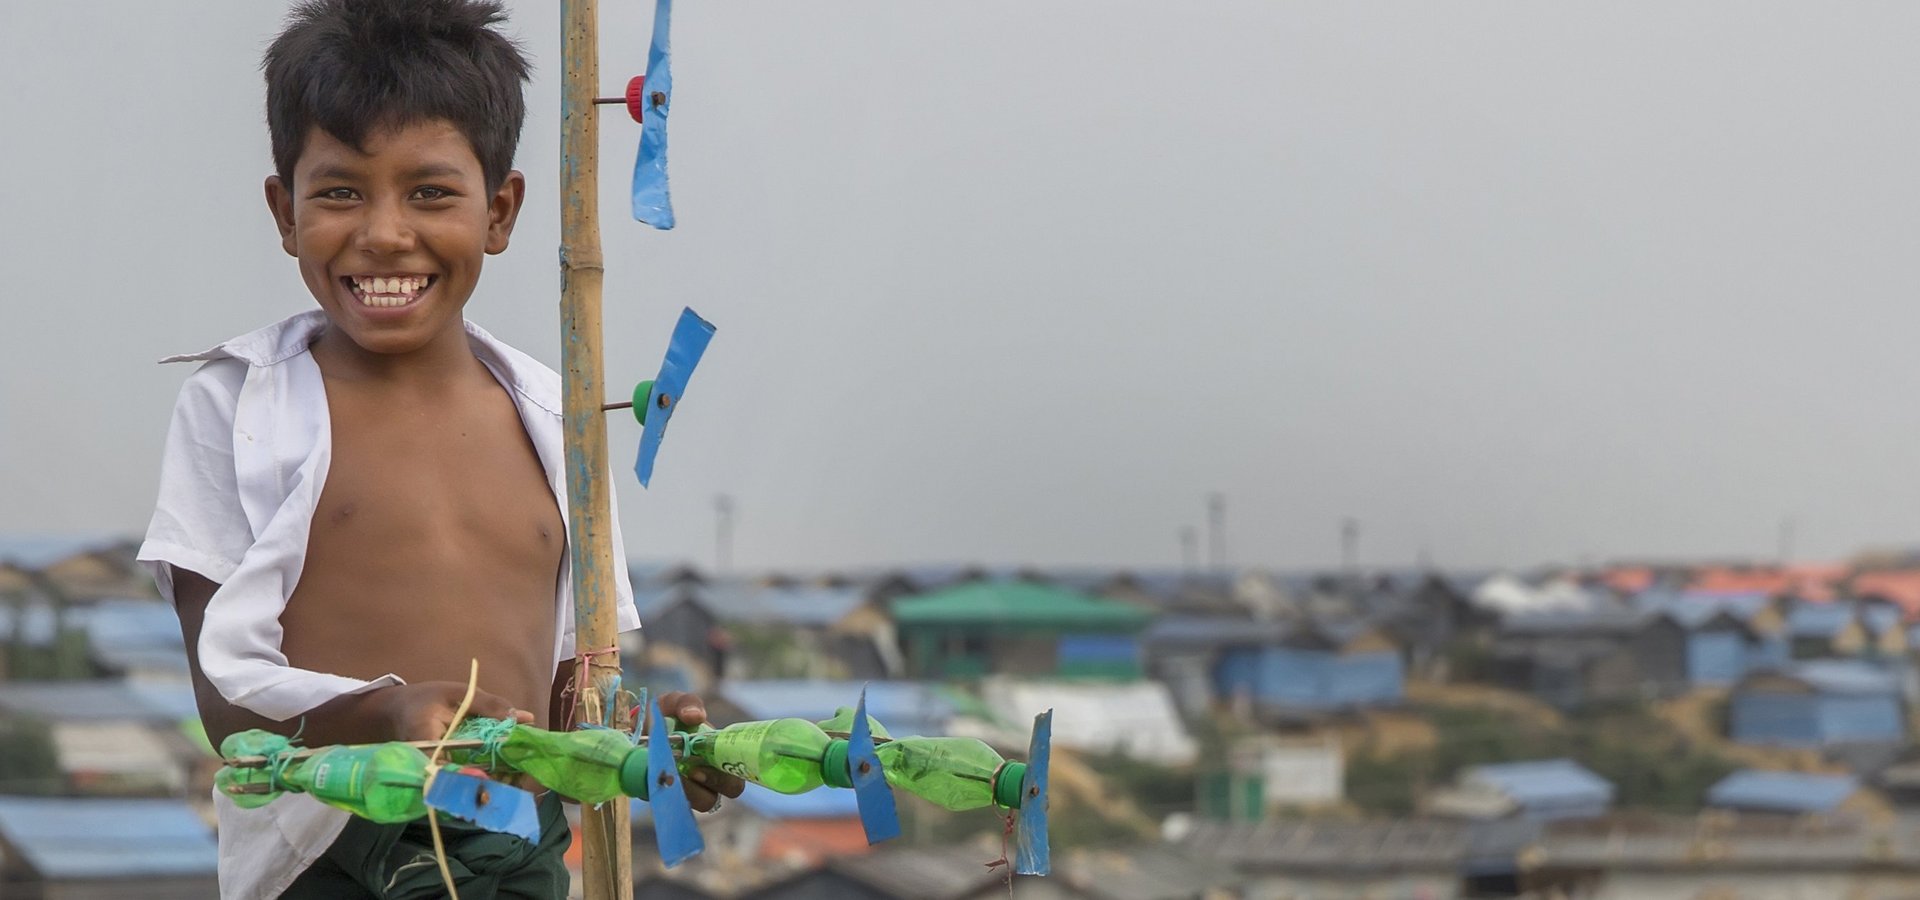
{"type": "Point", "coordinates": [1018, 628]}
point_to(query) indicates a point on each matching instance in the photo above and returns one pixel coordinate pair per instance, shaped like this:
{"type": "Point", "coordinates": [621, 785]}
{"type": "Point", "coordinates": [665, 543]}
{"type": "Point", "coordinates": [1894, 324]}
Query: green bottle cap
{"type": "Point", "coordinates": [633, 774]}
{"type": "Point", "coordinates": [833, 765]}
{"type": "Point", "coordinates": [1006, 784]}
{"type": "Point", "coordinates": [642, 394]}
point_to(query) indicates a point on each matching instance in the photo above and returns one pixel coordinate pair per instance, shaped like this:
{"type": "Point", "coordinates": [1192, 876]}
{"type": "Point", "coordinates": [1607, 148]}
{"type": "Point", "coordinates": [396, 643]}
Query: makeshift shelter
{"type": "Point", "coordinates": [1018, 628]}
{"type": "Point", "coordinates": [92, 849]}
{"type": "Point", "coordinates": [1820, 703]}
{"type": "Point", "coordinates": [1541, 791]}
{"type": "Point", "coordinates": [1782, 793]}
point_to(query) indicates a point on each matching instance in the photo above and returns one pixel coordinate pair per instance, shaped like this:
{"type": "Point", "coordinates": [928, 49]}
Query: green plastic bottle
{"type": "Point", "coordinates": [381, 783]}
{"type": "Point", "coordinates": [780, 754]}
{"type": "Point", "coordinates": [249, 787]}
{"type": "Point", "coordinates": [957, 773]}
{"type": "Point", "coordinates": [585, 765]}
{"type": "Point", "coordinates": [842, 723]}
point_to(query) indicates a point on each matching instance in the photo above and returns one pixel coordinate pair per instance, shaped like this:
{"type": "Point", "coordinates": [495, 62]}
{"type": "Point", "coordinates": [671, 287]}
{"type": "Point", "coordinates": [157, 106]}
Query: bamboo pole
{"type": "Point", "coordinates": [605, 833]}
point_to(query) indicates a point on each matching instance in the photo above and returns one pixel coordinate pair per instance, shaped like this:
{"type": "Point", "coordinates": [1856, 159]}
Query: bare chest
{"type": "Point", "coordinates": [466, 476]}
{"type": "Point", "coordinates": [435, 519]}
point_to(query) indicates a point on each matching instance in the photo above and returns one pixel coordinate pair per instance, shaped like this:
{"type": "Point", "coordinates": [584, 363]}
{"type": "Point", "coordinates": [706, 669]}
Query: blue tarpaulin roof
{"type": "Point", "coordinates": [1546, 784]}
{"type": "Point", "coordinates": [67, 838]}
{"type": "Point", "coordinates": [821, 803]}
{"type": "Point", "coordinates": [1787, 792]}
{"type": "Point", "coordinates": [904, 707]}
{"type": "Point", "coordinates": [757, 604]}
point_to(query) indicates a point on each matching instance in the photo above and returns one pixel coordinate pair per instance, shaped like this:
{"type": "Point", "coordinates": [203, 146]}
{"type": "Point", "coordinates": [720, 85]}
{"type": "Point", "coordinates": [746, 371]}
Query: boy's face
{"type": "Point", "coordinates": [390, 241]}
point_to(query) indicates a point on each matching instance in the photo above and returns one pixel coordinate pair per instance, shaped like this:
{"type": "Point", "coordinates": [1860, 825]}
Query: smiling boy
{"type": "Point", "coordinates": [358, 500]}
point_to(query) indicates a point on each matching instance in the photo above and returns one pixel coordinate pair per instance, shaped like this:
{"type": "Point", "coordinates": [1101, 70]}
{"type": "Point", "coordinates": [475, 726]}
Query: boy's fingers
{"type": "Point", "coordinates": [492, 706]}
{"type": "Point", "coordinates": [717, 781]}
{"type": "Point", "coordinates": [683, 707]}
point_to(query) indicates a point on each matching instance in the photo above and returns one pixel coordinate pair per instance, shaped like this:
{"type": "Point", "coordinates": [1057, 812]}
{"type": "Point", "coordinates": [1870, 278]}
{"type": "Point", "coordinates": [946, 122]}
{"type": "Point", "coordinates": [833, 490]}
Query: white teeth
{"type": "Point", "coordinates": [386, 292]}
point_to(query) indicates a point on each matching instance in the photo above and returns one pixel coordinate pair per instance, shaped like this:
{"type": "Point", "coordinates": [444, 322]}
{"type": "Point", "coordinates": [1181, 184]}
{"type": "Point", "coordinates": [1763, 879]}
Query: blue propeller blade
{"type": "Point", "coordinates": [1031, 854]}
{"type": "Point", "coordinates": [689, 342]}
{"type": "Point", "coordinates": [652, 203]}
{"type": "Point", "coordinates": [487, 803]}
{"type": "Point", "coordinates": [673, 829]}
{"type": "Point", "coordinates": [870, 789]}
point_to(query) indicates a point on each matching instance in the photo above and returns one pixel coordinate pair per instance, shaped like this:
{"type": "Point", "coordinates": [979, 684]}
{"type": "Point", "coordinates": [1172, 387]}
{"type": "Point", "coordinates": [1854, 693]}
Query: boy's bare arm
{"type": "Point", "coordinates": [408, 712]}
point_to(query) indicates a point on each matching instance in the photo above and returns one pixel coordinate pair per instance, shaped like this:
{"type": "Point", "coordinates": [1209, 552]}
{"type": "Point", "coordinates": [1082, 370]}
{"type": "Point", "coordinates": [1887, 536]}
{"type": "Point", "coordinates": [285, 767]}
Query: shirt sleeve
{"type": "Point", "coordinates": [198, 523]}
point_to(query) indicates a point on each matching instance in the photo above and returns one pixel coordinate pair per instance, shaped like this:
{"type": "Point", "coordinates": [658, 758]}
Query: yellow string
{"type": "Point", "coordinates": [433, 768]}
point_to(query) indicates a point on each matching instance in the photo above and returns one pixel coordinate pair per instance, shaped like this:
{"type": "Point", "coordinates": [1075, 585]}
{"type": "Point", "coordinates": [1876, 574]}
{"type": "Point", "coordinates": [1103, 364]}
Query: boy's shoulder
{"type": "Point", "coordinates": [225, 364]}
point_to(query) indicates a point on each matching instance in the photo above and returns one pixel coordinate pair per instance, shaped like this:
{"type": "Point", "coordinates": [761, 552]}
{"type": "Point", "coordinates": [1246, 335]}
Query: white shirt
{"type": "Point", "coordinates": [245, 461]}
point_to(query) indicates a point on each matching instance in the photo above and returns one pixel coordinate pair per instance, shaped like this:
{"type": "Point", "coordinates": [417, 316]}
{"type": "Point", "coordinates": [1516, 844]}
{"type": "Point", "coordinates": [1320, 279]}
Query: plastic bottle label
{"type": "Point", "coordinates": [736, 751]}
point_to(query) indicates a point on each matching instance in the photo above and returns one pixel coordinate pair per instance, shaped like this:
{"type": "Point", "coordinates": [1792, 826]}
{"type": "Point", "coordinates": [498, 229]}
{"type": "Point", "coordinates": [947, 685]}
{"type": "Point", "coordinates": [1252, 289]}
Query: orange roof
{"type": "Point", "coordinates": [1814, 581]}
{"type": "Point", "coordinates": [1628, 580]}
{"type": "Point", "coordinates": [810, 841]}
{"type": "Point", "coordinates": [1902, 586]}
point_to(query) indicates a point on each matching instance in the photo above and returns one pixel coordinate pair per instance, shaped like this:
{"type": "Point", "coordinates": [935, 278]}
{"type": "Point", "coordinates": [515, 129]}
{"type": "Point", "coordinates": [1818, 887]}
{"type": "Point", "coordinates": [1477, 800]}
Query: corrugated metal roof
{"type": "Point", "coordinates": [1369, 847]}
{"type": "Point", "coordinates": [1608, 621]}
{"type": "Point", "coordinates": [758, 604]}
{"type": "Point", "coordinates": [1017, 603]}
{"type": "Point", "coordinates": [67, 838]}
{"type": "Point", "coordinates": [1842, 676]}
{"type": "Point", "coordinates": [1818, 620]}
{"type": "Point", "coordinates": [1881, 619]}
{"type": "Point", "coordinates": [1211, 631]}
{"type": "Point", "coordinates": [823, 803]}
{"type": "Point", "coordinates": [1789, 792]}
{"type": "Point", "coordinates": [1691, 609]}
{"type": "Point", "coordinates": [35, 552]}
{"type": "Point", "coordinates": [1544, 783]}
{"type": "Point", "coordinates": [904, 707]}
{"type": "Point", "coordinates": [651, 602]}
{"type": "Point", "coordinates": [96, 701]}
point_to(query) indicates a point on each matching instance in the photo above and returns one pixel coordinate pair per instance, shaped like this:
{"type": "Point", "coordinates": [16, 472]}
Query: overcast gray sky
{"type": "Point", "coordinates": [1020, 282]}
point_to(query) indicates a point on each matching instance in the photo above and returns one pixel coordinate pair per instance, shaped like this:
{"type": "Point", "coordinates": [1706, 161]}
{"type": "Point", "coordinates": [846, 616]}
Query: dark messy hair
{"type": "Point", "coordinates": [355, 66]}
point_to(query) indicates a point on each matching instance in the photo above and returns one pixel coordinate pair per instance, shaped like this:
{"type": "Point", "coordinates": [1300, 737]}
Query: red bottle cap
{"type": "Point", "coordinates": [636, 96]}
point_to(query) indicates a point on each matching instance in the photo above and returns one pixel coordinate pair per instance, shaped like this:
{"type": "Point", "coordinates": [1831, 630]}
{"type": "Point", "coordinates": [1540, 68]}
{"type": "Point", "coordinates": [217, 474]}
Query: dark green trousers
{"type": "Point", "coordinates": [396, 862]}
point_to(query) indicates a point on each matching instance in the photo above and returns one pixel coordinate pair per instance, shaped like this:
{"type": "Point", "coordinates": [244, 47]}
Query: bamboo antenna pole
{"type": "Point", "coordinates": [605, 833]}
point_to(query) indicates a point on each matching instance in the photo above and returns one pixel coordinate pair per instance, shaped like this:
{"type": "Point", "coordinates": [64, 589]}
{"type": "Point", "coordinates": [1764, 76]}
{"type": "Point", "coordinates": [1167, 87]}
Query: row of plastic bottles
{"type": "Point", "coordinates": [384, 782]}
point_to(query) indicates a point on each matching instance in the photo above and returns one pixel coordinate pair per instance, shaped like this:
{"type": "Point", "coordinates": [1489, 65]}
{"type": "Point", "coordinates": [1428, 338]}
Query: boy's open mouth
{"type": "Point", "coordinates": [387, 291]}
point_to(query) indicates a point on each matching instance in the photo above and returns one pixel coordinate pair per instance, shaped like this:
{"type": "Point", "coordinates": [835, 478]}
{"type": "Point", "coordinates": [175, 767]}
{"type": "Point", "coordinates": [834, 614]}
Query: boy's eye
{"type": "Point", "coordinates": [432, 193]}
{"type": "Point", "coordinates": [338, 193]}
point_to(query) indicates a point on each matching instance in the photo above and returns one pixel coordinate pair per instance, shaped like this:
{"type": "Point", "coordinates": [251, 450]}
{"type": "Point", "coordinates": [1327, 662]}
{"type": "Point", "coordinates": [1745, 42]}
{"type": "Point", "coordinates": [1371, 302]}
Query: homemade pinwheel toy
{"type": "Point", "coordinates": [606, 756]}
{"type": "Point", "coordinates": [398, 782]}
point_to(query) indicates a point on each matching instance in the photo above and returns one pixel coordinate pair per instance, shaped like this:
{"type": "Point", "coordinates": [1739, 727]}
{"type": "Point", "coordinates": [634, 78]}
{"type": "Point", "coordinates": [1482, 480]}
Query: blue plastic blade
{"type": "Point", "coordinates": [487, 803]}
{"type": "Point", "coordinates": [674, 831]}
{"type": "Point", "coordinates": [870, 789]}
{"type": "Point", "coordinates": [652, 203]}
{"type": "Point", "coordinates": [1031, 854]}
{"type": "Point", "coordinates": [690, 338]}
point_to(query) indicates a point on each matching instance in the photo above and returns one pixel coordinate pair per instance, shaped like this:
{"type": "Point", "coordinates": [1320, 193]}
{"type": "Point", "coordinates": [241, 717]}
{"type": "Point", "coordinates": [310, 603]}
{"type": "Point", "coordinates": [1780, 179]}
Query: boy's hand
{"type": "Point", "coordinates": [705, 784]}
{"type": "Point", "coordinates": [424, 711]}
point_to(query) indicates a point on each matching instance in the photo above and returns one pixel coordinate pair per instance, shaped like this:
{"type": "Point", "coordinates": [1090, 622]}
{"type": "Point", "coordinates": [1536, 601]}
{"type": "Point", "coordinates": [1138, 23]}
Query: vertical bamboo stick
{"type": "Point", "coordinates": [605, 833]}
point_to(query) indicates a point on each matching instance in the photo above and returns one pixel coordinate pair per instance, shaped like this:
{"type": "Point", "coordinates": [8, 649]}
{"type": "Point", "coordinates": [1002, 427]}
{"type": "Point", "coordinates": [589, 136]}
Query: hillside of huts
{"type": "Point", "coordinates": [1218, 733]}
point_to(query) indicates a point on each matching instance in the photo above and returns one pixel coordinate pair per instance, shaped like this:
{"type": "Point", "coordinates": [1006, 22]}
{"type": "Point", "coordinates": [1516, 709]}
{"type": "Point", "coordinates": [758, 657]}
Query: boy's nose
{"type": "Point", "coordinates": [385, 230]}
